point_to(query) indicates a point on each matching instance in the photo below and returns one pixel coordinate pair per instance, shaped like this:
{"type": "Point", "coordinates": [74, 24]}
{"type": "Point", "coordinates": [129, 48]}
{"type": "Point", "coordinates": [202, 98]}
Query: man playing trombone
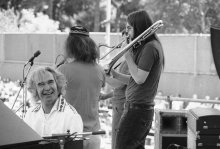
{"type": "Point", "coordinates": [145, 62]}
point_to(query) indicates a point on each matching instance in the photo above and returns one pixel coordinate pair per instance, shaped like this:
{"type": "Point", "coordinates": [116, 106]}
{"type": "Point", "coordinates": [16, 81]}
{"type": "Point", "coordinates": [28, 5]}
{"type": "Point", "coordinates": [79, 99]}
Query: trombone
{"type": "Point", "coordinates": [137, 41]}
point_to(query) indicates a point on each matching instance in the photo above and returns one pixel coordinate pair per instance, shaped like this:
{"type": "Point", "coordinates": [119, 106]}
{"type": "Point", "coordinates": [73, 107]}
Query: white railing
{"type": "Point", "coordinates": [170, 99]}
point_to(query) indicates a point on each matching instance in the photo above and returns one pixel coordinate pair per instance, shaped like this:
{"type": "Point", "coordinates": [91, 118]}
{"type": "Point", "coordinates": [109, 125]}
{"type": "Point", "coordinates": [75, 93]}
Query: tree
{"type": "Point", "coordinates": [183, 16]}
{"type": "Point", "coordinates": [28, 22]}
{"type": "Point", "coordinates": [8, 4]}
{"type": "Point", "coordinates": [179, 16]}
{"type": "Point", "coordinates": [68, 12]}
{"type": "Point", "coordinates": [123, 8]}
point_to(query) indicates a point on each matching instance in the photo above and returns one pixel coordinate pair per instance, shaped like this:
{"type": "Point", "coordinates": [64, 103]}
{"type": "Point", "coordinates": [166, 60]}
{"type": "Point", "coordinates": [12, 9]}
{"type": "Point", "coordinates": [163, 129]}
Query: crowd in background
{"type": "Point", "coordinates": [9, 92]}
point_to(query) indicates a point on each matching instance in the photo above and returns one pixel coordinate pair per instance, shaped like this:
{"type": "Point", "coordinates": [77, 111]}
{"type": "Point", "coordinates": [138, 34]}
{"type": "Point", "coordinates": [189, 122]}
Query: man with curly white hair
{"type": "Point", "coordinates": [52, 114]}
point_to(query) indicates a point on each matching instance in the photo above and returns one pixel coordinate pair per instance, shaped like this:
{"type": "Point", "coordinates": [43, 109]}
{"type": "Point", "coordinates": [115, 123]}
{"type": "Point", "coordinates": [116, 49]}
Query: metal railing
{"type": "Point", "coordinates": [170, 99]}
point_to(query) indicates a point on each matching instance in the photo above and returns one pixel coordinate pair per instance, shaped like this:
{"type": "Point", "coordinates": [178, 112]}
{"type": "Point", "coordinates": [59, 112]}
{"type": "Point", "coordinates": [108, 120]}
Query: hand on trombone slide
{"type": "Point", "coordinates": [112, 72]}
{"type": "Point", "coordinates": [129, 55]}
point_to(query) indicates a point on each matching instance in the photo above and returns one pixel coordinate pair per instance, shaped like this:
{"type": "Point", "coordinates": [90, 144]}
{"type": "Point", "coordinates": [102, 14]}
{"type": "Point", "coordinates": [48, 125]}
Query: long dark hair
{"type": "Point", "coordinates": [81, 48]}
{"type": "Point", "coordinates": [140, 21]}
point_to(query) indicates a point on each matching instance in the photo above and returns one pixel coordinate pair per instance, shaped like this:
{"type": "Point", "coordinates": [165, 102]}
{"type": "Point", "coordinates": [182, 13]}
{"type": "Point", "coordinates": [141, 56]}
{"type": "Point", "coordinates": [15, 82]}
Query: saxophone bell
{"type": "Point", "coordinates": [61, 62]}
{"type": "Point", "coordinates": [113, 48]}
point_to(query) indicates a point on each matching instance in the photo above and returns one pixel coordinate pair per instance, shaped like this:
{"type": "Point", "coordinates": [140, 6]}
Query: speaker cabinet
{"type": "Point", "coordinates": [203, 128]}
{"type": "Point", "coordinates": [170, 128]}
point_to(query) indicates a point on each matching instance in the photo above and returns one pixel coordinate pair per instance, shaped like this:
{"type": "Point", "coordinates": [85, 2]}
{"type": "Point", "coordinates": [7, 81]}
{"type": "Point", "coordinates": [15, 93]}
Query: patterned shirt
{"type": "Point", "coordinates": [61, 118]}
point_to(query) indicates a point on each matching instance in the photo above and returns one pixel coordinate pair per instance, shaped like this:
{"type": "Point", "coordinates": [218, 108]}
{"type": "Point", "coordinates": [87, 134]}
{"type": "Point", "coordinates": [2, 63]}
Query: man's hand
{"type": "Point", "coordinates": [104, 96]}
{"type": "Point", "coordinates": [128, 55]}
{"type": "Point", "coordinates": [113, 73]}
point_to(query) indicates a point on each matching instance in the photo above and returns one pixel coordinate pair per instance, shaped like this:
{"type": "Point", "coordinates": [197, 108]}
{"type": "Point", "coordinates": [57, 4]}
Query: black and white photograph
{"type": "Point", "coordinates": [109, 74]}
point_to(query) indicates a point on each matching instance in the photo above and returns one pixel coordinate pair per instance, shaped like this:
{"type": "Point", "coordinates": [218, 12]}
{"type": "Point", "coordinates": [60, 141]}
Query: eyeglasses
{"type": "Point", "coordinates": [128, 27]}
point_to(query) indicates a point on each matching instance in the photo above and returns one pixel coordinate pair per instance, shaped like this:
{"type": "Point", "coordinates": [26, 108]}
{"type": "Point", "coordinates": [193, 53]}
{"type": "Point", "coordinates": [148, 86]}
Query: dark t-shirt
{"type": "Point", "coordinates": [148, 57]}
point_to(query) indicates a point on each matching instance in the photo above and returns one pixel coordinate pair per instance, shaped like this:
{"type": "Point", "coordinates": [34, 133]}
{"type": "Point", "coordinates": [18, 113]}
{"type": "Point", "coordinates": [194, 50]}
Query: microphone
{"type": "Point", "coordinates": [36, 54]}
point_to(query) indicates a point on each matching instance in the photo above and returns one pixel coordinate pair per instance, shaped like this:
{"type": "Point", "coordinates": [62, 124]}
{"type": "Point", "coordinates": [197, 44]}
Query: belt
{"type": "Point", "coordinates": [138, 106]}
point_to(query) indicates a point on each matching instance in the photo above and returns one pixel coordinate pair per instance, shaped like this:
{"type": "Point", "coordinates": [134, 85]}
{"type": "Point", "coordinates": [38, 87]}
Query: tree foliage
{"type": "Point", "coordinates": [179, 16]}
{"type": "Point", "coordinates": [26, 21]}
{"type": "Point", "coordinates": [185, 16]}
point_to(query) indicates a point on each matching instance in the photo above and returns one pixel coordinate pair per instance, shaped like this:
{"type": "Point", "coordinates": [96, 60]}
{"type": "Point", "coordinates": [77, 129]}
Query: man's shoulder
{"type": "Point", "coordinates": [71, 108]}
{"type": "Point", "coordinates": [153, 47]}
{"type": "Point", "coordinates": [154, 44]}
{"type": "Point", "coordinates": [150, 44]}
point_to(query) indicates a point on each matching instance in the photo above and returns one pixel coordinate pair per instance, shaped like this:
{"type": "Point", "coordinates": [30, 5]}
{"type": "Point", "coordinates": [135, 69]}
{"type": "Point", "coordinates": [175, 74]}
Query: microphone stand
{"type": "Point", "coordinates": [24, 91]}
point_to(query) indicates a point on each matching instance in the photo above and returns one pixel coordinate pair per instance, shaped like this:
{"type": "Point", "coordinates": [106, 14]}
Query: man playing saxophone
{"type": "Point", "coordinates": [145, 63]}
{"type": "Point", "coordinates": [85, 78]}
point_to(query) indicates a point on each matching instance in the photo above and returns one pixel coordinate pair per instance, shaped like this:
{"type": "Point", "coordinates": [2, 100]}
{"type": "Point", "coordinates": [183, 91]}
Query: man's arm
{"type": "Point", "coordinates": [114, 82]}
{"type": "Point", "coordinates": [104, 96]}
{"type": "Point", "coordinates": [137, 74]}
{"type": "Point", "coordinates": [74, 122]}
{"type": "Point", "coordinates": [121, 77]}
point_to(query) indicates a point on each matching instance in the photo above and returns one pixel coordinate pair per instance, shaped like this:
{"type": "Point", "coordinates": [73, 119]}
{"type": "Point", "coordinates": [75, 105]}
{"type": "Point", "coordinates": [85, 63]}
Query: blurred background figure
{"type": "Point", "coordinates": [191, 105]}
{"type": "Point", "coordinates": [216, 106]}
{"type": "Point", "coordinates": [117, 95]}
{"type": "Point", "coordinates": [85, 78]}
{"type": "Point", "coordinates": [177, 105]}
{"type": "Point", "coordinates": [161, 104]}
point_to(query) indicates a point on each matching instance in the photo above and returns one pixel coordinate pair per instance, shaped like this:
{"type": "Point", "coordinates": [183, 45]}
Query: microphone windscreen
{"type": "Point", "coordinates": [36, 54]}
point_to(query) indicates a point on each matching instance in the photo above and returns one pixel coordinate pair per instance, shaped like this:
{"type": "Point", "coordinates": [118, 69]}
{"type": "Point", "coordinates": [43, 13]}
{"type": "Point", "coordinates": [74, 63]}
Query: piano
{"type": "Point", "coordinates": [16, 134]}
